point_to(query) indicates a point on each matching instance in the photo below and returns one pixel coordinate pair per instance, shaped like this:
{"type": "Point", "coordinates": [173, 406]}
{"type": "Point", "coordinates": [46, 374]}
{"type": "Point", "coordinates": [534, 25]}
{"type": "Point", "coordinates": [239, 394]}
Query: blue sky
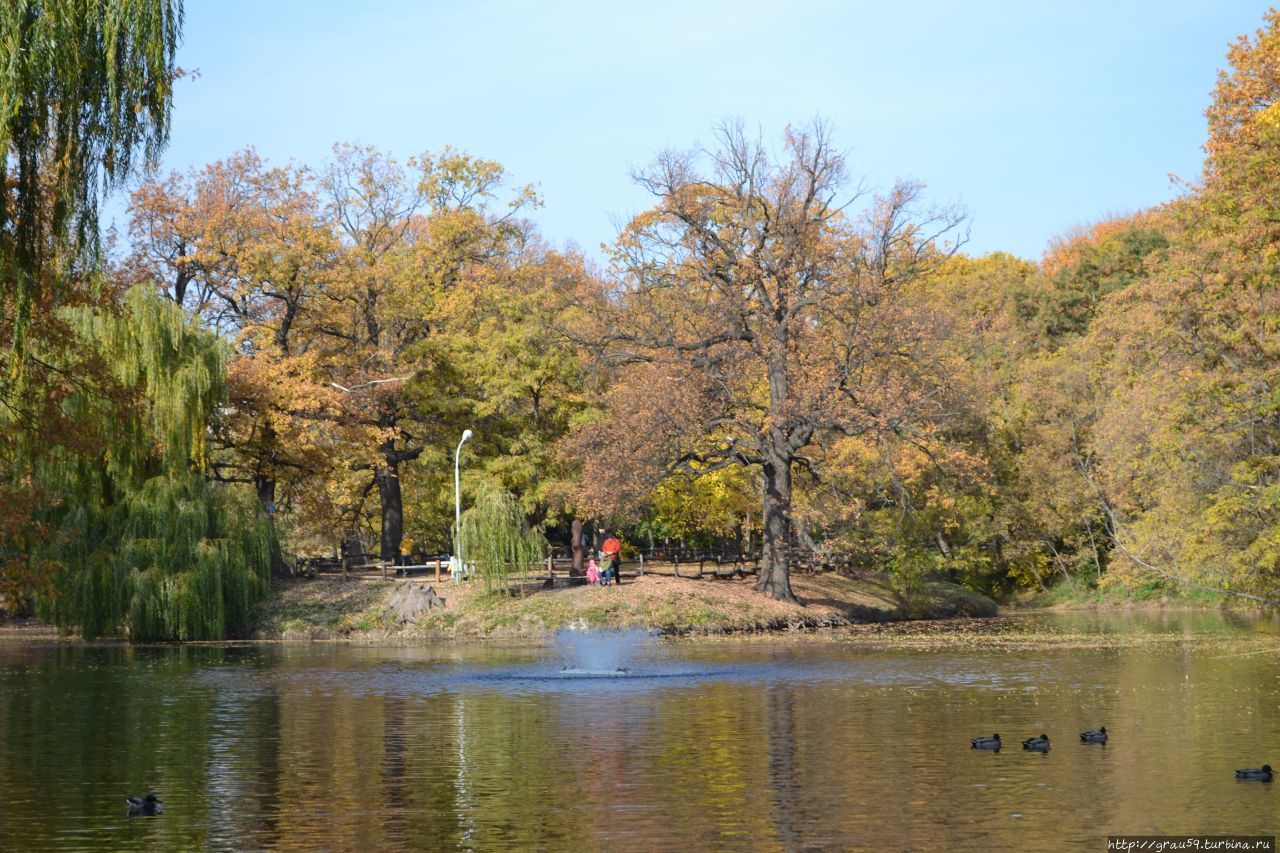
{"type": "Point", "coordinates": [1036, 117]}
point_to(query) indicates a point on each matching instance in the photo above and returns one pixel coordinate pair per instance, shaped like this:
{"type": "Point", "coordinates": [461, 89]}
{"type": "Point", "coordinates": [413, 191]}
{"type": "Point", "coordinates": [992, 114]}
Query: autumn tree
{"type": "Point", "coordinates": [247, 248]}
{"type": "Point", "coordinates": [1055, 390]}
{"type": "Point", "coordinates": [522, 381]}
{"type": "Point", "coordinates": [1078, 273]}
{"type": "Point", "coordinates": [409, 233]}
{"type": "Point", "coordinates": [720, 504]}
{"type": "Point", "coordinates": [776, 306]}
{"type": "Point", "coordinates": [1189, 439]}
{"type": "Point", "coordinates": [377, 308]}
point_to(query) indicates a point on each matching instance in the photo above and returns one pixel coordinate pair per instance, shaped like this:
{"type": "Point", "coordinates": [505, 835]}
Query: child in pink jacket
{"type": "Point", "coordinates": [593, 572]}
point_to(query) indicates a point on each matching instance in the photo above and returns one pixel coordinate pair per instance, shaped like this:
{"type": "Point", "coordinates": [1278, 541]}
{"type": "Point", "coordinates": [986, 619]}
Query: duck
{"type": "Point", "coordinates": [1098, 735]}
{"type": "Point", "coordinates": [992, 742]}
{"type": "Point", "coordinates": [1261, 774]}
{"type": "Point", "coordinates": [148, 805]}
{"type": "Point", "coordinates": [1037, 744]}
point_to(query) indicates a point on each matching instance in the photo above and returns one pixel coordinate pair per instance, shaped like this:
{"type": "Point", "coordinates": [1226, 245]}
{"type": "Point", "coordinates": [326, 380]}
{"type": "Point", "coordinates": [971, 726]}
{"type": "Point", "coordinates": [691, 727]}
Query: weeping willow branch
{"type": "Point", "coordinates": [497, 538]}
{"type": "Point", "coordinates": [85, 88]}
{"type": "Point", "coordinates": [146, 546]}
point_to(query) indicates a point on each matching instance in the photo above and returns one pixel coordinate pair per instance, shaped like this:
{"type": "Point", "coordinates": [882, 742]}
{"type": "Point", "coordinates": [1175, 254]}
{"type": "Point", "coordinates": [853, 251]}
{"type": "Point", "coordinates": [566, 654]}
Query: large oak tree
{"type": "Point", "coordinates": [768, 293]}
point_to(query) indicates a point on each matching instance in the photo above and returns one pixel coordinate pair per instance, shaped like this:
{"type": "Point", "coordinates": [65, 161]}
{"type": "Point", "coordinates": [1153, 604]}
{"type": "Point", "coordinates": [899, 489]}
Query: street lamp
{"type": "Point", "coordinates": [457, 502]}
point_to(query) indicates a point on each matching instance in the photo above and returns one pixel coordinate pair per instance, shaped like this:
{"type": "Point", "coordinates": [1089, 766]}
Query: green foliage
{"type": "Point", "coordinates": [714, 504]}
{"type": "Point", "coordinates": [145, 545]}
{"type": "Point", "coordinates": [909, 571]}
{"type": "Point", "coordinates": [179, 370]}
{"type": "Point", "coordinates": [516, 376]}
{"type": "Point", "coordinates": [184, 560]}
{"type": "Point", "coordinates": [496, 537]}
{"type": "Point", "coordinates": [1064, 302]}
{"type": "Point", "coordinates": [84, 88]}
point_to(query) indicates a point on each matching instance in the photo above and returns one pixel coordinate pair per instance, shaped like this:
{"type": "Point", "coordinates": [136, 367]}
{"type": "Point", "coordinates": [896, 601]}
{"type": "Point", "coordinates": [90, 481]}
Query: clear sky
{"type": "Point", "coordinates": [1034, 116]}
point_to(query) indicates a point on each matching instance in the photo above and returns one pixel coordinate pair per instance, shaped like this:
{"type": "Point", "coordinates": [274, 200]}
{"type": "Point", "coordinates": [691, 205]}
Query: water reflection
{"type": "Point", "coordinates": [757, 746]}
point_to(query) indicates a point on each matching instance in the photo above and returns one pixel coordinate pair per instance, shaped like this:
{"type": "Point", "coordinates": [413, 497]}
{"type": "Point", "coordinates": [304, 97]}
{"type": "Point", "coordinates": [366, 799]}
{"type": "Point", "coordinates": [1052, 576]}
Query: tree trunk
{"type": "Point", "coordinates": [388, 479]}
{"type": "Point", "coordinates": [775, 578]}
{"type": "Point", "coordinates": [942, 544]}
{"type": "Point", "coordinates": [265, 484]}
{"type": "Point", "coordinates": [775, 575]}
{"type": "Point", "coordinates": [264, 473]}
{"type": "Point", "coordinates": [578, 569]}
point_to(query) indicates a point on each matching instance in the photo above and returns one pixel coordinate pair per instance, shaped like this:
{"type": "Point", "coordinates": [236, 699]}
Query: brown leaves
{"type": "Point", "coordinates": [650, 410]}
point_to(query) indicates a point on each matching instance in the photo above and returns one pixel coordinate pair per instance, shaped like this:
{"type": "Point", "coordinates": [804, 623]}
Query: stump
{"type": "Point", "coordinates": [411, 598]}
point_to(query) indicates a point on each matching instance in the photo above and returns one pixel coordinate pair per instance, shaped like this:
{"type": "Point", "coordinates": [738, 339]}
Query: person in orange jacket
{"type": "Point", "coordinates": [611, 550]}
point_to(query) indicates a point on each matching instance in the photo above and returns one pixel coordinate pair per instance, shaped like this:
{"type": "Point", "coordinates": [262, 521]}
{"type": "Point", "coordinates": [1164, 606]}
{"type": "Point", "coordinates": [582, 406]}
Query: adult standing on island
{"type": "Point", "coordinates": [612, 552]}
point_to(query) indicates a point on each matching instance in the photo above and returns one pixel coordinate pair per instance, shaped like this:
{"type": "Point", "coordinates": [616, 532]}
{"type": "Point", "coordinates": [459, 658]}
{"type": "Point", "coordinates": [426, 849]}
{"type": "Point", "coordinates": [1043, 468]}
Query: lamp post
{"type": "Point", "coordinates": [457, 502]}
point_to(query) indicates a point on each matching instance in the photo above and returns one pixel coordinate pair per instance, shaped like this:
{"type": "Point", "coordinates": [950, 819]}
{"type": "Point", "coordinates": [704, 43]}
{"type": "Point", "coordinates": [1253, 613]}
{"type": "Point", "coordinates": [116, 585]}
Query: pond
{"type": "Point", "coordinates": [850, 741]}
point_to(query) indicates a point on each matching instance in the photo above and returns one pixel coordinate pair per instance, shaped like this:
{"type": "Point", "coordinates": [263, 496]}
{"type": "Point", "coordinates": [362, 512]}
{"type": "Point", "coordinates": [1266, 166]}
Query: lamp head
{"type": "Point", "coordinates": [466, 433]}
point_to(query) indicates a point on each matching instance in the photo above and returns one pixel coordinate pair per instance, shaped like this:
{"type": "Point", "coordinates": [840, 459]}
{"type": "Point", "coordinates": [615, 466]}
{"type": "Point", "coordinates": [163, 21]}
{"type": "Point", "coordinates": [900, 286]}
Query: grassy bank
{"type": "Point", "coordinates": [332, 609]}
{"type": "Point", "coordinates": [1086, 592]}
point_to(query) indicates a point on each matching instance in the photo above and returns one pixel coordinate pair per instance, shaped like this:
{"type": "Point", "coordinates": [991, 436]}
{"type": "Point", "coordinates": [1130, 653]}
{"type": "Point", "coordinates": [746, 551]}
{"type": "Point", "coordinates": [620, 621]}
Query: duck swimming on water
{"type": "Point", "coordinates": [1037, 744]}
{"type": "Point", "coordinates": [1260, 774]}
{"type": "Point", "coordinates": [148, 805]}
{"type": "Point", "coordinates": [992, 742]}
{"type": "Point", "coordinates": [1098, 735]}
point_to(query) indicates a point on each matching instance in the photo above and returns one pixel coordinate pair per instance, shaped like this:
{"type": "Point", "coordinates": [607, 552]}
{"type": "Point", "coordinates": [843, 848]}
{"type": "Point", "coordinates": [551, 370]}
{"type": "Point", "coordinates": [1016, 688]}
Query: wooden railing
{"type": "Point", "coordinates": [678, 562]}
{"type": "Point", "coordinates": [364, 564]}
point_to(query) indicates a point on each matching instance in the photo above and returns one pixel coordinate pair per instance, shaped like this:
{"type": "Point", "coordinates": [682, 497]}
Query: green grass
{"type": "Point", "coordinates": [374, 619]}
{"type": "Point", "coordinates": [442, 621]}
{"type": "Point", "coordinates": [605, 614]}
{"type": "Point", "coordinates": [1085, 592]}
{"type": "Point", "coordinates": [706, 617]}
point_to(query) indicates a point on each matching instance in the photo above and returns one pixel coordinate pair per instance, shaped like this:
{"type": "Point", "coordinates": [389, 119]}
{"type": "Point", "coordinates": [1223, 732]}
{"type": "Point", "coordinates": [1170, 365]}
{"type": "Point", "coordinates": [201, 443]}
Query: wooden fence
{"type": "Point", "coordinates": [677, 562]}
{"type": "Point", "coordinates": [364, 565]}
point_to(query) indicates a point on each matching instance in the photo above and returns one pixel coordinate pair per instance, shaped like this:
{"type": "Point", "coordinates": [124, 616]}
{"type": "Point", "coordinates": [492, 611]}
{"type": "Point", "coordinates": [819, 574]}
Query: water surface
{"type": "Point", "coordinates": [778, 744]}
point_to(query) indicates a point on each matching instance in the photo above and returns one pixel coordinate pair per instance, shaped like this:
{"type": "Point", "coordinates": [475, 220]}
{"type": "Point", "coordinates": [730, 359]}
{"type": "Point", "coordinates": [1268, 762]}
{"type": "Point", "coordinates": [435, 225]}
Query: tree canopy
{"type": "Point", "coordinates": [85, 88]}
{"type": "Point", "coordinates": [779, 309]}
{"type": "Point", "coordinates": [771, 356]}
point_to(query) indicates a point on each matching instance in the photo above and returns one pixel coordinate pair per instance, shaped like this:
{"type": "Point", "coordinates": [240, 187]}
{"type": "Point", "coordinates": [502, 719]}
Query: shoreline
{"type": "Point", "coordinates": [355, 611]}
{"type": "Point", "coordinates": [329, 609]}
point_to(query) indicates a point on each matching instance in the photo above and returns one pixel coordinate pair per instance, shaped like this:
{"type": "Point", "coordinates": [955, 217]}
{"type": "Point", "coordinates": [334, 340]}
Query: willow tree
{"type": "Point", "coordinates": [85, 87]}
{"type": "Point", "coordinates": [498, 539]}
{"type": "Point", "coordinates": [143, 543]}
{"type": "Point", "coordinates": [775, 307]}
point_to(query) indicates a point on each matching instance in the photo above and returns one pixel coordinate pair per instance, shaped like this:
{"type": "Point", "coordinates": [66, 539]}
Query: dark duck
{"type": "Point", "coordinates": [148, 805]}
{"type": "Point", "coordinates": [1257, 774]}
{"type": "Point", "coordinates": [1037, 744]}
